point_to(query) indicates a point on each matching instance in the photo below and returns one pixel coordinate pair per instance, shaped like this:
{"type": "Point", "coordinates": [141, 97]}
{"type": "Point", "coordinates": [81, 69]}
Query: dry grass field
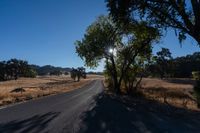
{"type": "Point", "coordinates": [177, 92]}
{"type": "Point", "coordinates": [29, 88]}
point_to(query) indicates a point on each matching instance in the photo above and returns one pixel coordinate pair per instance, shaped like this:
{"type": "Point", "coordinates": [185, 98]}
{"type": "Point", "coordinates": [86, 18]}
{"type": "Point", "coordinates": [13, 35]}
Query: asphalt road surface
{"type": "Point", "coordinates": [52, 114]}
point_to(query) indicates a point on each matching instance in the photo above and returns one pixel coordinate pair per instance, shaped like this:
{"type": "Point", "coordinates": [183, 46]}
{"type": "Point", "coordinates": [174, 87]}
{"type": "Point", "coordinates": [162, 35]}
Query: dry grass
{"type": "Point", "coordinates": [177, 92]}
{"type": "Point", "coordinates": [37, 87]}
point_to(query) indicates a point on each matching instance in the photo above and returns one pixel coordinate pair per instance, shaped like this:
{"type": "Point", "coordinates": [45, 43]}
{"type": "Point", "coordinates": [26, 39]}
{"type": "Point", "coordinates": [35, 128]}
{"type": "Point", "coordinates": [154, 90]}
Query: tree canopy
{"type": "Point", "coordinates": [121, 49]}
{"type": "Point", "coordinates": [164, 65]}
{"type": "Point", "coordinates": [13, 68]}
{"type": "Point", "coordinates": [181, 15]}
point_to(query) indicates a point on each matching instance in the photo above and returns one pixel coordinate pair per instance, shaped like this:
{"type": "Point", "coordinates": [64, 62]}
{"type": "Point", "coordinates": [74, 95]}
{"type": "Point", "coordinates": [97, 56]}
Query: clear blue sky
{"type": "Point", "coordinates": [44, 31]}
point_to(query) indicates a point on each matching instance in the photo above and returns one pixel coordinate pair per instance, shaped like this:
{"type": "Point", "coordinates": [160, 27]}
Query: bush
{"type": "Point", "coordinates": [196, 75]}
{"type": "Point", "coordinates": [30, 73]}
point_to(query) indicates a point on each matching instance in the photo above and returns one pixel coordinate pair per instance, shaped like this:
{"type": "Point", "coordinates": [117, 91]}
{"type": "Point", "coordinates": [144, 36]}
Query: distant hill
{"type": "Point", "coordinates": [44, 70]}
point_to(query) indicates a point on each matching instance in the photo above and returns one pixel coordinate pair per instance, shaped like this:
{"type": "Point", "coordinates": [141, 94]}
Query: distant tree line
{"type": "Point", "coordinates": [50, 70]}
{"type": "Point", "coordinates": [163, 65]}
{"type": "Point", "coordinates": [14, 68]}
{"type": "Point", "coordinates": [95, 73]}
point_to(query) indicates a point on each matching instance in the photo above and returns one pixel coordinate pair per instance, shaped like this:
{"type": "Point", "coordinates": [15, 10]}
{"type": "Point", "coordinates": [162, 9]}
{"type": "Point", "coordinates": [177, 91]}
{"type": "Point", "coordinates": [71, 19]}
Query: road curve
{"type": "Point", "coordinates": [52, 114]}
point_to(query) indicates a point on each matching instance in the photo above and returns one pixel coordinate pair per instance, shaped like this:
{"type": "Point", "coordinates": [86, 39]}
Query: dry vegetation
{"type": "Point", "coordinates": [30, 88]}
{"type": "Point", "coordinates": [177, 92]}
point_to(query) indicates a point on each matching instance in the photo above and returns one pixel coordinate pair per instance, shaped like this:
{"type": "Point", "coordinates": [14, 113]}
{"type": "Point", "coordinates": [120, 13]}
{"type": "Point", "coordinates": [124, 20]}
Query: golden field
{"type": "Point", "coordinates": [176, 91]}
{"type": "Point", "coordinates": [29, 88]}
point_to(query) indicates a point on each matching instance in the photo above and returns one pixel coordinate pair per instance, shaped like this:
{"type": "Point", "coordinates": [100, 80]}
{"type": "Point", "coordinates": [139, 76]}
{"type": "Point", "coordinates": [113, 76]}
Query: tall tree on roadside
{"type": "Point", "coordinates": [181, 15]}
{"type": "Point", "coordinates": [118, 47]}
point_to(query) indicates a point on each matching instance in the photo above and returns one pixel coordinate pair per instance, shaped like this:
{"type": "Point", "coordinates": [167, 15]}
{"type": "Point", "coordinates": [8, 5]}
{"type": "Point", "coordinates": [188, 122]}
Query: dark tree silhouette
{"type": "Point", "coordinates": [180, 67]}
{"type": "Point", "coordinates": [163, 61]}
{"type": "Point", "coordinates": [55, 72]}
{"type": "Point", "coordinates": [181, 15]}
{"type": "Point", "coordinates": [13, 68]}
{"type": "Point", "coordinates": [78, 73]}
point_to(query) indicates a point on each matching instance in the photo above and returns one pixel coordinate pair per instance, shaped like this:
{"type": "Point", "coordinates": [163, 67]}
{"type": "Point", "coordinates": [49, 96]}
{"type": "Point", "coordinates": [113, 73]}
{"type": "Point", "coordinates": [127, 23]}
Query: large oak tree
{"type": "Point", "coordinates": [119, 48]}
{"type": "Point", "coordinates": [181, 15]}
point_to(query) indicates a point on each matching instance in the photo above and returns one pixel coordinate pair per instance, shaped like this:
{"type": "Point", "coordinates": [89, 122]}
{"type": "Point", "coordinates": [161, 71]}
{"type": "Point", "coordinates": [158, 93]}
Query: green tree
{"type": "Point", "coordinates": [2, 71]}
{"type": "Point", "coordinates": [30, 73]}
{"type": "Point", "coordinates": [163, 61]}
{"type": "Point", "coordinates": [181, 15]}
{"type": "Point", "coordinates": [73, 74]}
{"type": "Point", "coordinates": [119, 47]}
{"type": "Point", "coordinates": [78, 73]}
{"type": "Point", "coordinates": [14, 68]}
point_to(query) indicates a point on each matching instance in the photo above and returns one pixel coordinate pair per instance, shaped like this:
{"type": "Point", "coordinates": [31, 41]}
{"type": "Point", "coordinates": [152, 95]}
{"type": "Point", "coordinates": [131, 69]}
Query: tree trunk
{"type": "Point", "coordinates": [198, 105]}
{"type": "Point", "coordinates": [116, 85]}
{"type": "Point", "coordinates": [117, 89]}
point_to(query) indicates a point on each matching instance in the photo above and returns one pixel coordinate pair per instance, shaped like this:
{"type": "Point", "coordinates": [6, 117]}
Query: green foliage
{"type": "Point", "coordinates": [181, 15]}
{"type": "Point", "coordinates": [121, 47]}
{"type": "Point", "coordinates": [196, 75]}
{"type": "Point", "coordinates": [163, 61]}
{"type": "Point", "coordinates": [180, 67]}
{"type": "Point", "coordinates": [30, 73]}
{"type": "Point", "coordinates": [99, 37]}
{"type": "Point", "coordinates": [78, 73]}
{"type": "Point", "coordinates": [132, 78]}
{"type": "Point", "coordinates": [12, 69]}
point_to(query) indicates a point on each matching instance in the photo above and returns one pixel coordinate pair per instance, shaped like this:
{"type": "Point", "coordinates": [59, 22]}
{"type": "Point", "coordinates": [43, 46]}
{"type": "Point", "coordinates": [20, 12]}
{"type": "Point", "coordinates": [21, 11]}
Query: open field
{"type": "Point", "coordinates": [177, 92]}
{"type": "Point", "coordinates": [29, 88]}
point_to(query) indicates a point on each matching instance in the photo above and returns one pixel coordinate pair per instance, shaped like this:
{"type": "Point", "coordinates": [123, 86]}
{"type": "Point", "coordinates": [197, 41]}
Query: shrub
{"type": "Point", "coordinates": [30, 73]}
{"type": "Point", "coordinates": [196, 75]}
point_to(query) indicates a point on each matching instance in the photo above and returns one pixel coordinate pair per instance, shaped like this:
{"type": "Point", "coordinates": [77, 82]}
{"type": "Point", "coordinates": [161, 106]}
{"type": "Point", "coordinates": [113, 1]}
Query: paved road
{"type": "Point", "coordinates": [87, 110]}
{"type": "Point", "coordinates": [53, 114]}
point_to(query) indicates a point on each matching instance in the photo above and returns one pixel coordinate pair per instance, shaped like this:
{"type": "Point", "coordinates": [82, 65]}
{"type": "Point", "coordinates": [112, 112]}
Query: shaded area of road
{"type": "Point", "coordinates": [124, 115]}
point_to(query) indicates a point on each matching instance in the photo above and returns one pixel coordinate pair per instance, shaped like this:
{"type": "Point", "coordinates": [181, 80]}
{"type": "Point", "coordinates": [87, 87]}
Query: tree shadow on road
{"type": "Point", "coordinates": [113, 114]}
{"type": "Point", "coordinates": [35, 124]}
